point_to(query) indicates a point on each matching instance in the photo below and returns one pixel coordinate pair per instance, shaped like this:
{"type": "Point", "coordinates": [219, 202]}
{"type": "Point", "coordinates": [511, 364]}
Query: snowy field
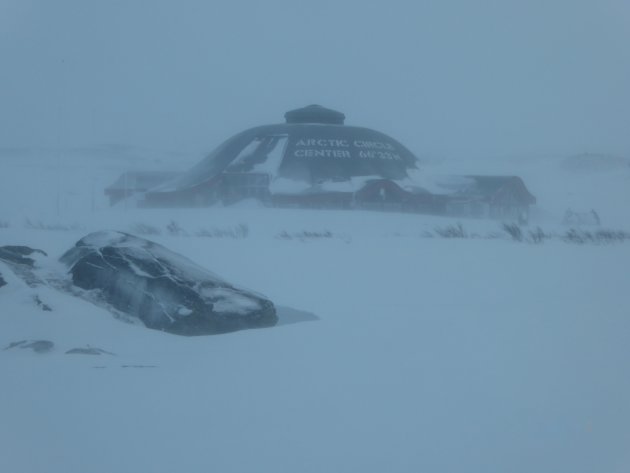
{"type": "Point", "coordinates": [397, 350]}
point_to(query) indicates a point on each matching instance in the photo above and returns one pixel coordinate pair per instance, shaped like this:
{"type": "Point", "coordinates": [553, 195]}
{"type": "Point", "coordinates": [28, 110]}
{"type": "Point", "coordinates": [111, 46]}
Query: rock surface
{"type": "Point", "coordinates": [38, 346]}
{"type": "Point", "coordinates": [88, 351]}
{"type": "Point", "coordinates": [21, 261]}
{"type": "Point", "coordinates": [20, 255]}
{"type": "Point", "coordinates": [165, 290]}
{"type": "Point", "coordinates": [2, 281]}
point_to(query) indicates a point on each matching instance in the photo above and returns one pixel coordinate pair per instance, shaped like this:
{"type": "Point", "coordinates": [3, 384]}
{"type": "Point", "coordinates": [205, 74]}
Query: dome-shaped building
{"type": "Point", "coordinates": [313, 159]}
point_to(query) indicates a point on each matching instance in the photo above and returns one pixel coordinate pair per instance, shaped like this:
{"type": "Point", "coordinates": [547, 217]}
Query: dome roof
{"type": "Point", "coordinates": [313, 146]}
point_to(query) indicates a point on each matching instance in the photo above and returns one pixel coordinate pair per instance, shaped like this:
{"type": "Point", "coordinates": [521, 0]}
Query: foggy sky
{"type": "Point", "coordinates": [446, 78]}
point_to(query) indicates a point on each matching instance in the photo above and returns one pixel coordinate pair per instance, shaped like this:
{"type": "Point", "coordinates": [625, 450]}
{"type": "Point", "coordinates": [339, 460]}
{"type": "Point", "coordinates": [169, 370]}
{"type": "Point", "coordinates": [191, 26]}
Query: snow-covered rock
{"type": "Point", "coordinates": [19, 255]}
{"type": "Point", "coordinates": [20, 260]}
{"type": "Point", "coordinates": [88, 351]}
{"type": "Point", "coordinates": [38, 346]}
{"type": "Point", "coordinates": [165, 290]}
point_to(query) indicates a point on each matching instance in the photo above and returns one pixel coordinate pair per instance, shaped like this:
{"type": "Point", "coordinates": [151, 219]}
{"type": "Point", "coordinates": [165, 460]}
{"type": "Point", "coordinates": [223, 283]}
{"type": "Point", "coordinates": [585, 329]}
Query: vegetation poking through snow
{"type": "Point", "coordinates": [514, 230]}
{"type": "Point", "coordinates": [236, 232]}
{"type": "Point", "coordinates": [306, 235]}
{"type": "Point", "coordinates": [581, 237]}
{"type": "Point", "coordinates": [452, 231]}
{"type": "Point", "coordinates": [536, 236]}
{"type": "Point", "coordinates": [173, 228]}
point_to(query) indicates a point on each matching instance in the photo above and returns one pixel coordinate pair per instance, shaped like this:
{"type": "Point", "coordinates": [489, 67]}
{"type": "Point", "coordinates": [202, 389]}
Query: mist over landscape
{"type": "Point", "coordinates": [202, 270]}
{"type": "Point", "coordinates": [448, 79]}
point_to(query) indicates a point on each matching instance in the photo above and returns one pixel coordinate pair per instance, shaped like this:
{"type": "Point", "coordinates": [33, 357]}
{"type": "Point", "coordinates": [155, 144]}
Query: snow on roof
{"type": "Point", "coordinates": [274, 157]}
{"type": "Point", "coordinates": [246, 152]}
{"type": "Point", "coordinates": [418, 181]}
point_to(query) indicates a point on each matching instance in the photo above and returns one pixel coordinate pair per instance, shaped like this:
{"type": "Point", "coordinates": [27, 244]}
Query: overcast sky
{"type": "Point", "coordinates": [448, 78]}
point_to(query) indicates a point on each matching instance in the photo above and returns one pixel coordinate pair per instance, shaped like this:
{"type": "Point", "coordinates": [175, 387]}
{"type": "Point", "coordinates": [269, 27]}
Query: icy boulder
{"type": "Point", "coordinates": [165, 290]}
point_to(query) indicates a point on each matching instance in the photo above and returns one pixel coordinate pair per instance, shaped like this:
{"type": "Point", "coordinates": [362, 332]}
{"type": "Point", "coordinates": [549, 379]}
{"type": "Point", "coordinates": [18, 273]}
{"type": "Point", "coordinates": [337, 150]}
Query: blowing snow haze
{"type": "Point", "coordinates": [447, 78]}
{"type": "Point", "coordinates": [314, 236]}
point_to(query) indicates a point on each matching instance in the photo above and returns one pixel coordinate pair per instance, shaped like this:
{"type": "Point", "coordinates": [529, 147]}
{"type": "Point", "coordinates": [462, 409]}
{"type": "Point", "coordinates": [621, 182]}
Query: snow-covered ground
{"type": "Point", "coordinates": [395, 352]}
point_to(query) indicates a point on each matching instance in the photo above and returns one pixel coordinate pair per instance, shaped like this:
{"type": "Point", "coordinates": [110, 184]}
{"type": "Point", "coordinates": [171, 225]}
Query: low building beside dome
{"type": "Point", "coordinates": [136, 182]}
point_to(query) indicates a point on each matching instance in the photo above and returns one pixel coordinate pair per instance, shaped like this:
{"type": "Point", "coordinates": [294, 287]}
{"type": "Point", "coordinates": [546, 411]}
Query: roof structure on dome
{"type": "Point", "coordinates": [315, 114]}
